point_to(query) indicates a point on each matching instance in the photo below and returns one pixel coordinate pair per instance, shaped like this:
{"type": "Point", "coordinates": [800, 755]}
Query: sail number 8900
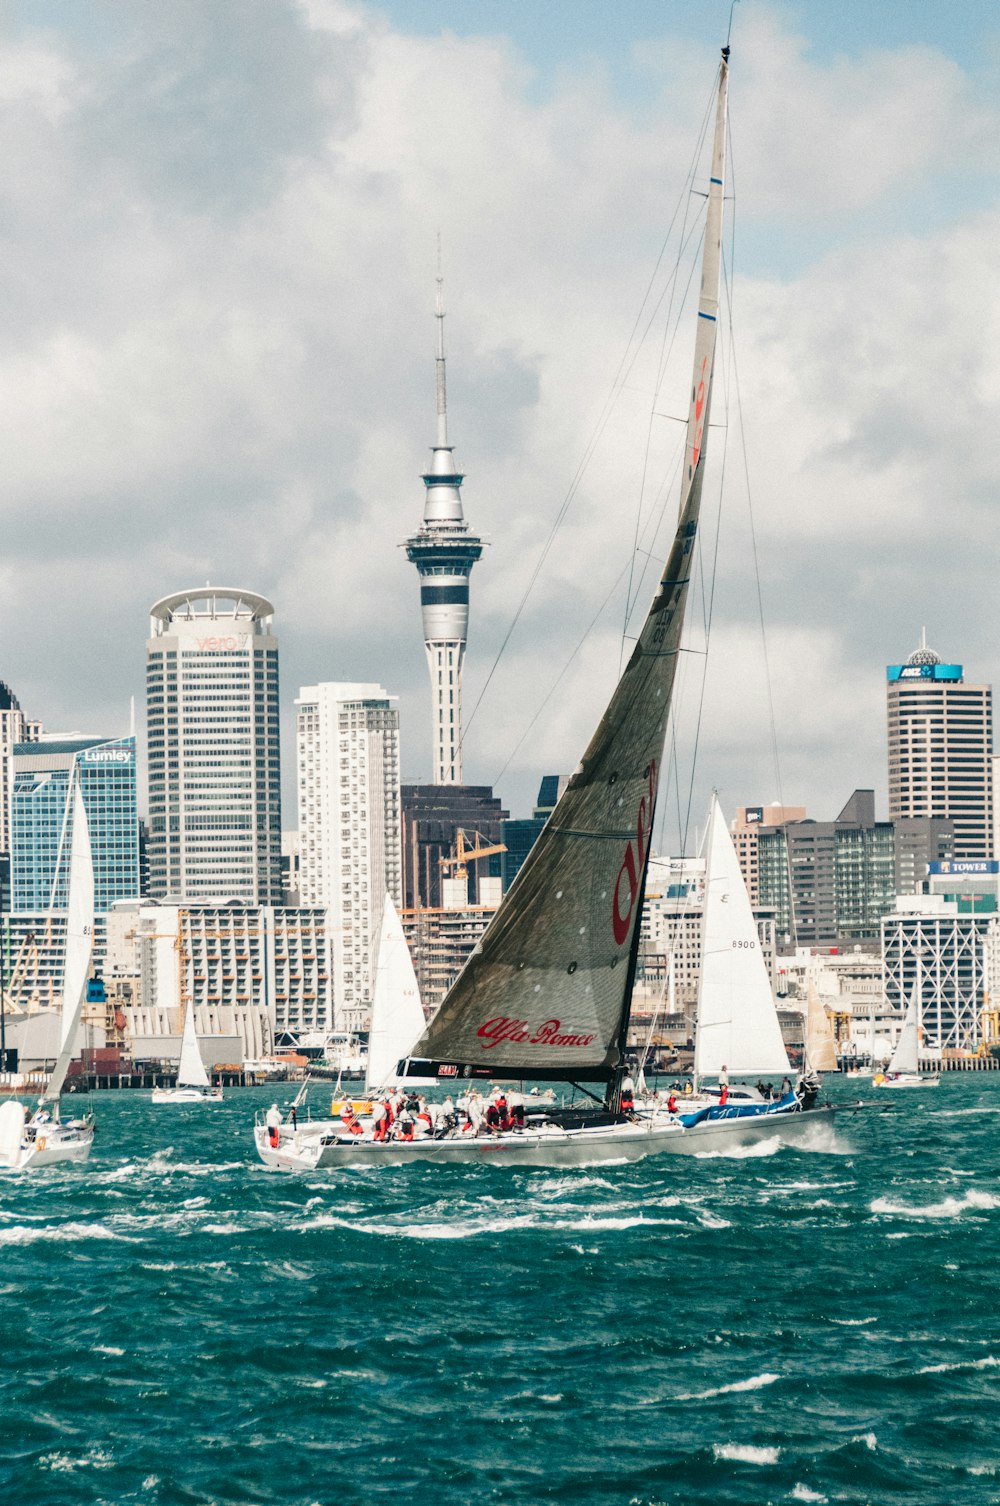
{"type": "Point", "coordinates": [748, 945]}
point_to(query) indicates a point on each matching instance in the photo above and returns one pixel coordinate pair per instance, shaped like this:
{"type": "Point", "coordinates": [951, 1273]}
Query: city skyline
{"type": "Point", "coordinates": [228, 373]}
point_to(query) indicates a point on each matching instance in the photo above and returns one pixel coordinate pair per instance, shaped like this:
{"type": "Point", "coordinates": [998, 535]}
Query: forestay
{"type": "Point", "coordinates": [547, 991]}
{"type": "Point", "coordinates": [737, 1021]}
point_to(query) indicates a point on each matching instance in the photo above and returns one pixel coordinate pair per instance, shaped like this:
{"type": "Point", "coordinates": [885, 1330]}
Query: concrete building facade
{"type": "Point", "coordinates": [213, 748]}
{"type": "Point", "coordinates": [347, 750]}
{"type": "Point", "coordinates": [940, 749]}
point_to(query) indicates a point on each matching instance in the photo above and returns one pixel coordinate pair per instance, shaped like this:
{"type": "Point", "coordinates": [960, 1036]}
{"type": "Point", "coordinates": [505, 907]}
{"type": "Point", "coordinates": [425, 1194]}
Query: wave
{"type": "Point", "coordinates": [746, 1453]}
{"type": "Point", "coordinates": [949, 1207]}
{"type": "Point", "coordinates": [853, 1322]}
{"type": "Point", "coordinates": [754, 1383]}
{"type": "Point", "coordinates": [988, 1362]}
{"type": "Point", "coordinates": [19, 1235]}
{"type": "Point", "coordinates": [803, 1493]}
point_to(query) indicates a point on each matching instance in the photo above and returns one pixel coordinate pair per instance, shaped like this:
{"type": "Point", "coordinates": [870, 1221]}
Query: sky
{"type": "Point", "coordinates": [218, 229]}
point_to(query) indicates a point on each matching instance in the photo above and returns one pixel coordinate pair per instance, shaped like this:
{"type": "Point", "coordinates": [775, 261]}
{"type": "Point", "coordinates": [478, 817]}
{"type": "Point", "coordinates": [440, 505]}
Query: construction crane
{"type": "Point", "coordinates": [464, 855]}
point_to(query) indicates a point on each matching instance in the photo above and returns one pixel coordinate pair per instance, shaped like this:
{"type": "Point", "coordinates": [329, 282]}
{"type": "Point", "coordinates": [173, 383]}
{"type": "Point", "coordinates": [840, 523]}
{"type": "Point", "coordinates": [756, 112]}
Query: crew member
{"type": "Point", "coordinates": [628, 1095]}
{"type": "Point", "coordinates": [273, 1125]}
{"type": "Point", "coordinates": [350, 1120]}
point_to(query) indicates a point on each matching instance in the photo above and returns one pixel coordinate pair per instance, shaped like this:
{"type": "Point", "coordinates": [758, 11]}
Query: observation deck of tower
{"type": "Point", "coordinates": [444, 552]}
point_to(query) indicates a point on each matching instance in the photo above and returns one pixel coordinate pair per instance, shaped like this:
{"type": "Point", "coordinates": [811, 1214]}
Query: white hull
{"type": "Point", "coordinates": [907, 1080]}
{"type": "Point", "coordinates": [187, 1095]}
{"type": "Point", "coordinates": [55, 1145]}
{"type": "Point", "coordinates": [549, 1145]}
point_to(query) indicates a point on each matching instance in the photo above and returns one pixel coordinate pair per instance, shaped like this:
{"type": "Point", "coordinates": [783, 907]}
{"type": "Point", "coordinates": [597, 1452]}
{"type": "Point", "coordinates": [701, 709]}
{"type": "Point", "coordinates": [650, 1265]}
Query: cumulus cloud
{"type": "Point", "coordinates": [218, 233]}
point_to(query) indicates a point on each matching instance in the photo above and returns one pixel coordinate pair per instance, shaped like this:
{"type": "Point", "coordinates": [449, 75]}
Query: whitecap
{"type": "Point", "coordinates": [745, 1453]}
{"type": "Point", "coordinates": [868, 1439]}
{"type": "Point", "coordinates": [948, 1207]}
{"type": "Point", "coordinates": [988, 1362]}
{"type": "Point", "coordinates": [19, 1235]}
{"type": "Point", "coordinates": [111, 1349]}
{"type": "Point", "coordinates": [803, 1493]}
{"type": "Point", "coordinates": [753, 1383]}
{"type": "Point", "coordinates": [853, 1322]}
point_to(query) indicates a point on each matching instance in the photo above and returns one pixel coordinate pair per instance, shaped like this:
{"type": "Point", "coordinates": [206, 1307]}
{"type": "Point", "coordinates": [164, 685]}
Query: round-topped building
{"type": "Point", "coordinates": [213, 747]}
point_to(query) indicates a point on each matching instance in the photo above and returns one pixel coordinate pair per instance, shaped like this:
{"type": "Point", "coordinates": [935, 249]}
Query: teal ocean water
{"type": "Point", "coordinates": [817, 1324]}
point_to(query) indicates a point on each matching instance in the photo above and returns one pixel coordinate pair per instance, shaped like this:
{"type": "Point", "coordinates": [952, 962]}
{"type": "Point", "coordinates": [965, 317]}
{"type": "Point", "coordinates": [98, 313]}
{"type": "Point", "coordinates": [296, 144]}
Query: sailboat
{"type": "Point", "coordinates": [737, 1033]}
{"type": "Point", "coordinates": [546, 994]}
{"type": "Point", "coordinates": [397, 1013]}
{"type": "Point", "coordinates": [820, 1042]}
{"type": "Point", "coordinates": [903, 1070]}
{"type": "Point", "coordinates": [45, 1139]}
{"type": "Point", "coordinates": [193, 1085]}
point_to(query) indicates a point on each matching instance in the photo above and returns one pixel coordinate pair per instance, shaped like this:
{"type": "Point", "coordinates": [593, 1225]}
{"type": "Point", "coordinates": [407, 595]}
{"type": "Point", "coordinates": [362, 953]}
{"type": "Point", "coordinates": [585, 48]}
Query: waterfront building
{"type": "Point", "coordinates": [830, 882]}
{"type": "Point", "coordinates": [934, 951]}
{"type": "Point", "coordinates": [213, 748]}
{"type": "Point", "coordinates": [15, 730]}
{"type": "Point", "coordinates": [940, 749]}
{"type": "Point", "coordinates": [444, 552]}
{"type": "Point", "coordinates": [347, 744]}
{"type": "Point", "coordinates": [431, 816]}
{"type": "Point", "coordinates": [441, 942]}
{"type": "Point", "coordinates": [41, 835]}
{"type": "Point", "coordinates": [250, 973]}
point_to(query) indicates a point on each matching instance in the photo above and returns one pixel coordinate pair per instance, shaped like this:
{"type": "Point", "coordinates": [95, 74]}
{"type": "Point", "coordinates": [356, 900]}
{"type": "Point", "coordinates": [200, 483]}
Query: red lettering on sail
{"type": "Point", "coordinates": [699, 408]}
{"type": "Point", "coordinates": [633, 863]}
{"type": "Point", "coordinates": [502, 1029]}
{"type": "Point", "coordinates": [551, 1034]}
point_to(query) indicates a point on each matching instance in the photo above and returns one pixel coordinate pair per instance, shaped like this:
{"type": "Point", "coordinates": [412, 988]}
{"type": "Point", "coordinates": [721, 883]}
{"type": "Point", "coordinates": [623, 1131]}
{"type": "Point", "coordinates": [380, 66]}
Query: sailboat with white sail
{"type": "Point", "coordinates": [396, 1023]}
{"type": "Point", "coordinates": [903, 1070]}
{"type": "Point", "coordinates": [193, 1084]}
{"type": "Point", "coordinates": [45, 1138]}
{"type": "Point", "coordinates": [546, 994]}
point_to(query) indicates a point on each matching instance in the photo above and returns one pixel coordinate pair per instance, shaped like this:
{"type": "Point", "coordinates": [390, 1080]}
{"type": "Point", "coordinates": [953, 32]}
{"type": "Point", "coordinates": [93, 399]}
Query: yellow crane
{"type": "Point", "coordinates": [465, 854]}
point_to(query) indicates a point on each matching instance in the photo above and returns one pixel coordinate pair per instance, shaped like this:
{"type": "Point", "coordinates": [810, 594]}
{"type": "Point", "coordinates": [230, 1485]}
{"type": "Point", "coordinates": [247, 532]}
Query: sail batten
{"type": "Point", "coordinates": [547, 991]}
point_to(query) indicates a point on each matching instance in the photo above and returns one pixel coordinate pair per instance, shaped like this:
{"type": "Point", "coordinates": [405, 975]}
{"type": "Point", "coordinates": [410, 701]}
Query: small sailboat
{"type": "Point", "coordinates": [396, 1023]}
{"type": "Point", "coordinates": [737, 1033]}
{"type": "Point", "coordinates": [397, 1013]}
{"type": "Point", "coordinates": [903, 1070]}
{"type": "Point", "coordinates": [44, 1138]}
{"type": "Point", "coordinates": [820, 1042]}
{"type": "Point", "coordinates": [546, 994]}
{"type": "Point", "coordinates": [193, 1084]}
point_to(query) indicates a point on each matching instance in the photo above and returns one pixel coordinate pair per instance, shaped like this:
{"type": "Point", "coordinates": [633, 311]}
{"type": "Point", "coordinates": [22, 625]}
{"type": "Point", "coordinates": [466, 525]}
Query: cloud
{"type": "Point", "coordinates": [216, 361]}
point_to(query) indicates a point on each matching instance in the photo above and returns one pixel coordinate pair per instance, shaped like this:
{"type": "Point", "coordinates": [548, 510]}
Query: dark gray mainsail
{"type": "Point", "coordinates": [546, 993]}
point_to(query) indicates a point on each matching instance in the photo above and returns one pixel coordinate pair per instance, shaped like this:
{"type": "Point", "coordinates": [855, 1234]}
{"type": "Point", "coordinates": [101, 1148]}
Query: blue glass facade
{"type": "Point", "coordinates": [42, 773]}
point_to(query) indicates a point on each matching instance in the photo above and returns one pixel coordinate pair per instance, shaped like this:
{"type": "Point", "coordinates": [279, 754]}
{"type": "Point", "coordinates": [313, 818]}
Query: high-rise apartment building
{"type": "Point", "coordinates": [444, 552]}
{"type": "Point", "coordinates": [347, 741]}
{"type": "Point", "coordinates": [213, 748]}
{"type": "Point", "coordinates": [940, 749]}
{"type": "Point", "coordinates": [432, 815]}
{"type": "Point", "coordinates": [15, 728]}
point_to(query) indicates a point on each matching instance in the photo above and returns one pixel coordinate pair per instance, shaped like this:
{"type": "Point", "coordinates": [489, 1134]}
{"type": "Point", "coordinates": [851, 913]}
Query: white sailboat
{"type": "Point", "coordinates": [546, 994]}
{"type": "Point", "coordinates": [397, 1013]}
{"type": "Point", "coordinates": [45, 1139]}
{"type": "Point", "coordinates": [903, 1070]}
{"type": "Point", "coordinates": [193, 1084]}
{"type": "Point", "coordinates": [820, 1042]}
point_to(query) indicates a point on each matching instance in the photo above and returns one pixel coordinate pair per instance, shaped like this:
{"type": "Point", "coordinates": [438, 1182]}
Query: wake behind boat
{"type": "Point", "coordinates": [546, 995]}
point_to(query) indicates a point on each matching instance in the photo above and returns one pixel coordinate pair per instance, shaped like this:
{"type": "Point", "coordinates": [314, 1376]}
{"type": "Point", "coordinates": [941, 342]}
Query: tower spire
{"type": "Point", "coordinates": [444, 552]}
{"type": "Point", "coordinates": [442, 390]}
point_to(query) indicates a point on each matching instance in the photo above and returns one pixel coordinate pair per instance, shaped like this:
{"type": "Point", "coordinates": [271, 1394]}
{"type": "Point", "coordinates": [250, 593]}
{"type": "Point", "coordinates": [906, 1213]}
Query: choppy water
{"type": "Point", "coordinates": [821, 1324]}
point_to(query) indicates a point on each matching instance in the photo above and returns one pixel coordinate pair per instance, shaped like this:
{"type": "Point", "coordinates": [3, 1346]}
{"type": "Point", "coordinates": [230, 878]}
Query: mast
{"type": "Point", "coordinates": [547, 992]}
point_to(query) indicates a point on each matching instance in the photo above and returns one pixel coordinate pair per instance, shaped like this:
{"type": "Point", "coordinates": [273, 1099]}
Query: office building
{"type": "Point", "coordinates": [444, 552]}
{"type": "Point", "coordinates": [213, 748]}
{"type": "Point", "coordinates": [940, 750]}
{"type": "Point", "coordinates": [939, 954]}
{"type": "Point", "coordinates": [748, 823]}
{"type": "Point", "coordinates": [41, 835]}
{"type": "Point", "coordinates": [15, 729]}
{"type": "Point", "coordinates": [519, 835]}
{"type": "Point", "coordinates": [347, 744]}
{"type": "Point", "coordinates": [431, 817]}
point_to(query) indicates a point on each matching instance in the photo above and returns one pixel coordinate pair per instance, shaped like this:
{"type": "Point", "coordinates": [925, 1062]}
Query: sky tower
{"type": "Point", "coordinates": [444, 552]}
